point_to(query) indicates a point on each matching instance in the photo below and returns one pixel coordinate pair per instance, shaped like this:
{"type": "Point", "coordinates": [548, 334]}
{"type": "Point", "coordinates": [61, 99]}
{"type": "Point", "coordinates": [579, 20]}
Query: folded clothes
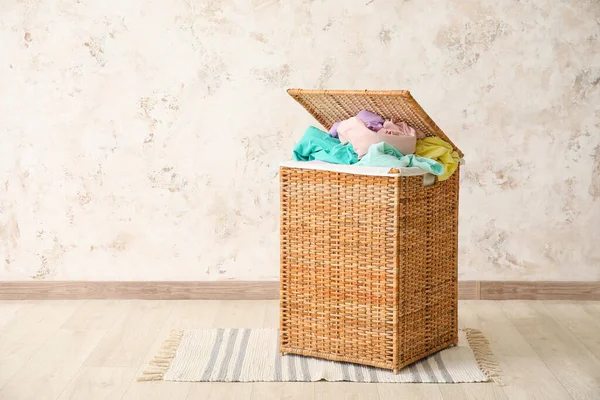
{"type": "Point", "coordinates": [384, 155]}
{"type": "Point", "coordinates": [372, 121]}
{"type": "Point", "coordinates": [333, 130]}
{"type": "Point", "coordinates": [354, 131]}
{"type": "Point", "coordinates": [432, 154]}
{"type": "Point", "coordinates": [318, 145]}
{"type": "Point", "coordinates": [441, 151]}
{"type": "Point", "coordinates": [376, 122]}
{"type": "Point", "coordinates": [400, 129]}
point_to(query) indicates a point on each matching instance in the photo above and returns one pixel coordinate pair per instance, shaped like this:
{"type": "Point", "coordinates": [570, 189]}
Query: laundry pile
{"type": "Point", "coordinates": [369, 140]}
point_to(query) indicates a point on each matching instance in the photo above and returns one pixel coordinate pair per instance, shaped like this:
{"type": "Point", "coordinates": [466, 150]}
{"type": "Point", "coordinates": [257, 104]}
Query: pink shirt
{"type": "Point", "coordinates": [355, 132]}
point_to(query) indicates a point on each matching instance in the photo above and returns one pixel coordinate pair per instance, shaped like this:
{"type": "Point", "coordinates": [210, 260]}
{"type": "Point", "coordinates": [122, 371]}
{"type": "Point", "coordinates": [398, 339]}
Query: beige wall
{"type": "Point", "coordinates": [140, 139]}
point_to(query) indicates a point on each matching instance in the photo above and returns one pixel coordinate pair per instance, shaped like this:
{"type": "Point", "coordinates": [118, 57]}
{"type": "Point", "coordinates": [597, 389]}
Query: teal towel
{"type": "Point", "coordinates": [318, 145]}
{"type": "Point", "coordinates": [384, 155]}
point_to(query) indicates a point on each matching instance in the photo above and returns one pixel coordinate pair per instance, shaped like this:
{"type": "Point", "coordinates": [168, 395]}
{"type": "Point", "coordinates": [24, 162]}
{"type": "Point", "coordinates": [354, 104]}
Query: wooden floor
{"type": "Point", "coordinates": [94, 350]}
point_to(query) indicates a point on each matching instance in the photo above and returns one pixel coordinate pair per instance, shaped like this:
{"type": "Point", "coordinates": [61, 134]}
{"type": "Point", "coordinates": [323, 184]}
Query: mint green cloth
{"type": "Point", "coordinates": [319, 145]}
{"type": "Point", "coordinates": [385, 155]}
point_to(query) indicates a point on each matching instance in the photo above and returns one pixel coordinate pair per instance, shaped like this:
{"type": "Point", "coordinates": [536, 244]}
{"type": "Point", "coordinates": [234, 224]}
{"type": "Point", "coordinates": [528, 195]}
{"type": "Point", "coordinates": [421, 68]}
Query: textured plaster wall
{"type": "Point", "coordinates": [140, 140]}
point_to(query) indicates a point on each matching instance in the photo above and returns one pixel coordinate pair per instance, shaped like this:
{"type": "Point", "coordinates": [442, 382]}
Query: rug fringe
{"type": "Point", "coordinates": [483, 354]}
{"type": "Point", "coordinates": [158, 366]}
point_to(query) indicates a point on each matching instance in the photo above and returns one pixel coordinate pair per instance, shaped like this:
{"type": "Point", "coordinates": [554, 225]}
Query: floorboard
{"type": "Point", "coordinates": [95, 349]}
{"type": "Point", "coordinates": [576, 368]}
{"type": "Point", "coordinates": [526, 375]}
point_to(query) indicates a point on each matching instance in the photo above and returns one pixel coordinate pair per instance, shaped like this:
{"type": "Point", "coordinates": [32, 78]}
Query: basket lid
{"type": "Point", "coordinates": [330, 106]}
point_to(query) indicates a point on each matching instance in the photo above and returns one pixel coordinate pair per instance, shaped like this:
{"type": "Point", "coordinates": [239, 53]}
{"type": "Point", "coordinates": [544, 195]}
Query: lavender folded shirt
{"type": "Point", "coordinates": [372, 121]}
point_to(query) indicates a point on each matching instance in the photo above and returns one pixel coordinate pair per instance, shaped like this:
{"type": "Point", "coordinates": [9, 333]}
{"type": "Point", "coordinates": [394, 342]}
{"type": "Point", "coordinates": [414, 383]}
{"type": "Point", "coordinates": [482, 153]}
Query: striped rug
{"type": "Point", "coordinates": [252, 355]}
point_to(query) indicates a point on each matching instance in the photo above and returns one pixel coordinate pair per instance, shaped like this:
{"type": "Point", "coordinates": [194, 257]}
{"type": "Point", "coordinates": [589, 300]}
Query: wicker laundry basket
{"type": "Point", "coordinates": [368, 263]}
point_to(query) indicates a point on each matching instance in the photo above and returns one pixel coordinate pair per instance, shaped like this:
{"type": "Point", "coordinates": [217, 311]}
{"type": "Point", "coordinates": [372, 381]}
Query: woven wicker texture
{"type": "Point", "coordinates": [368, 266]}
{"type": "Point", "coordinates": [330, 106]}
{"type": "Point", "coordinates": [368, 263]}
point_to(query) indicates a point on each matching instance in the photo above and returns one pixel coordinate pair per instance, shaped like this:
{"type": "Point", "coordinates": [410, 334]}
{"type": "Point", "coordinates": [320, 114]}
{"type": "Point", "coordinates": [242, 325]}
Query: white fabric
{"type": "Point", "coordinates": [354, 169]}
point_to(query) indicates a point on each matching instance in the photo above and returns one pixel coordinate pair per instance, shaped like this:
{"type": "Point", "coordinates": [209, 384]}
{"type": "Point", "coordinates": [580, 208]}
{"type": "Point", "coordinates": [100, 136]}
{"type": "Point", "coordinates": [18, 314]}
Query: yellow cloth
{"type": "Point", "coordinates": [440, 151]}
